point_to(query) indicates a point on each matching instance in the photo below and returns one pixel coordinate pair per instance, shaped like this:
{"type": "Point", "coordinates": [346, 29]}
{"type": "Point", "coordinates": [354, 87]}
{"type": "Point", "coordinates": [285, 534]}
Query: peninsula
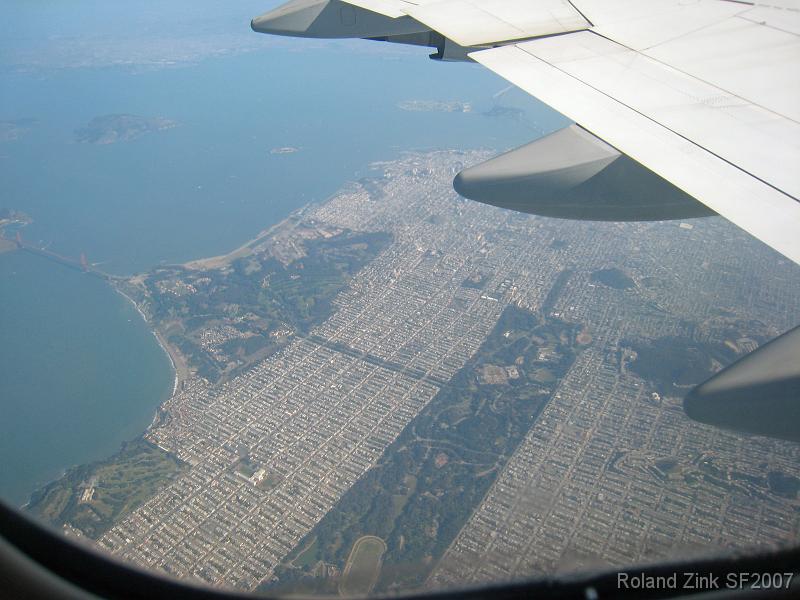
{"type": "Point", "coordinates": [383, 386]}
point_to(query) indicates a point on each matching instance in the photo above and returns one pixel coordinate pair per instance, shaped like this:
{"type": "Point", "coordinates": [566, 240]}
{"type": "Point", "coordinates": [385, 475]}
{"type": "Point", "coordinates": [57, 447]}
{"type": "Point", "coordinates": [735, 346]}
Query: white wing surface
{"type": "Point", "coordinates": [739, 158]}
{"type": "Point", "coordinates": [477, 22]}
{"type": "Point", "coordinates": [706, 94]}
{"type": "Point", "coordinates": [703, 93]}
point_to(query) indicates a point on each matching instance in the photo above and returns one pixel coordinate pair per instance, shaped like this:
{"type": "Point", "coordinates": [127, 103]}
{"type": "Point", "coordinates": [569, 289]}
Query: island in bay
{"type": "Point", "coordinates": [435, 106]}
{"type": "Point", "coordinates": [108, 129]}
{"type": "Point", "coordinates": [374, 392]}
{"type": "Point", "coordinates": [284, 150]}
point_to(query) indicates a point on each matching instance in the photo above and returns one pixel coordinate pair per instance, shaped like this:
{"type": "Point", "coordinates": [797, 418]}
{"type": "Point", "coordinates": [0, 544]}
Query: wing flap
{"type": "Point", "coordinates": [744, 58]}
{"type": "Point", "coordinates": [640, 25]}
{"type": "Point", "coordinates": [761, 142]}
{"type": "Point", "coordinates": [483, 22]}
{"type": "Point", "coordinates": [618, 97]}
{"type": "Point", "coordinates": [388, 8]}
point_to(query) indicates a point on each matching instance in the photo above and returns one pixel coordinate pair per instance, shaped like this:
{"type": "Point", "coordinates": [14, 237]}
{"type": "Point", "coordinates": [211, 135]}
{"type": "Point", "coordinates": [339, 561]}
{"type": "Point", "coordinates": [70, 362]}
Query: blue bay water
{"type": "Point", "coordinates": [80, 372]}
{"type": "Point", "coordinates": [211, 183]}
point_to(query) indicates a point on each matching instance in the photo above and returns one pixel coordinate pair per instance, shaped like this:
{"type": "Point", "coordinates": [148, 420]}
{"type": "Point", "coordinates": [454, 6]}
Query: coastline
{"type": "Point", "coordinates": [221, 260]}
{"type": "Point", "coordinates": [182, 372]}
{"type": "Point", "coordinates": [179, 367]}
{"type": "Point", "coordinates": [179, 374]}
{"type": "Point", "coordinates": [6, 245]}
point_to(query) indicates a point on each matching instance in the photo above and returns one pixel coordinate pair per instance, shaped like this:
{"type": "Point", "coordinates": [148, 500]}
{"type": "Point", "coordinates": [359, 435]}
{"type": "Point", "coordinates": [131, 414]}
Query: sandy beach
{"type": "Point", "coordinates": [176, 359]}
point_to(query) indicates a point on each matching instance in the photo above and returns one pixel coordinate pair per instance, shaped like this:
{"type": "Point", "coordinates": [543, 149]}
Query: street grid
{"type": "Point", "coordinates": [610, 474]}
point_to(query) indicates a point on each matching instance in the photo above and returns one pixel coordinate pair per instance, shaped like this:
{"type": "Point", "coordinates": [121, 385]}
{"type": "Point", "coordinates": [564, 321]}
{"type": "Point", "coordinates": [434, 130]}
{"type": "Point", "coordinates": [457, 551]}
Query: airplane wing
{"type": "Point", "coordinates": [705, 94]}
{"type": "Point", "coordinates": [682, 108]}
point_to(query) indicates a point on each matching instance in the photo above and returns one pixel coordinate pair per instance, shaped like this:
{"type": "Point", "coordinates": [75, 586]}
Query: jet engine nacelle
{"type": "Point", "coordinates": [332, 19]}
{"type": "Point", "coordinates": [572, 174]}
{"type": "Point", "coordinates": [759, 394]}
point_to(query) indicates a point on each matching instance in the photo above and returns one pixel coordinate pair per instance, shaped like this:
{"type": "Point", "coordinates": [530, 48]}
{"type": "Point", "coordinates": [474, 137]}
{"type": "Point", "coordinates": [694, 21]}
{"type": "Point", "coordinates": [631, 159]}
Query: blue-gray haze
{"type": "Point", "coordinates": [79, 372]}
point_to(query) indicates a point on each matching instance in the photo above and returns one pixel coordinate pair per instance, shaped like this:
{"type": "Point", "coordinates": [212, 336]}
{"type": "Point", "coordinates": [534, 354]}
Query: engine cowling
{"type": "Point", "coordinates": [572, 174]}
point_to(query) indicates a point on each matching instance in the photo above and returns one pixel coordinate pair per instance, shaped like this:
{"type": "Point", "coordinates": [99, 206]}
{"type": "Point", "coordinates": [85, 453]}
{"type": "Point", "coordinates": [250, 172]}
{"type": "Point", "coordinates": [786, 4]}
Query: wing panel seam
{"type": "Point", "coordinates": [580, 12]}
{"type": "Point", "coordinates": [651, 119]}
{"type": "Point", "coordinates": [674, 68]}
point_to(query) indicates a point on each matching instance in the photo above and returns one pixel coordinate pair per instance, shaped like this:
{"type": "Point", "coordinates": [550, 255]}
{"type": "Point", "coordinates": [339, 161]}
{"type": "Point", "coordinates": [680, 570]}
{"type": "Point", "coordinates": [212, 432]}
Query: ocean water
{"type": "Point", "coordinates": [211, 182]}
{"type": "Point", "coordinates": [79, 370]}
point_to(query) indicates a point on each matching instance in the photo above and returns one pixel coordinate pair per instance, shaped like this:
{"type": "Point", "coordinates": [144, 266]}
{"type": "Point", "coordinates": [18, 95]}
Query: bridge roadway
{"type": "Point", "coordinates": [61, 259]}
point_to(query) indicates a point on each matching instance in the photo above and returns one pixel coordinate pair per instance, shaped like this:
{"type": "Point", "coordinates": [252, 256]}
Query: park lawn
{"type": "Point", "coordinates": [363, 566]}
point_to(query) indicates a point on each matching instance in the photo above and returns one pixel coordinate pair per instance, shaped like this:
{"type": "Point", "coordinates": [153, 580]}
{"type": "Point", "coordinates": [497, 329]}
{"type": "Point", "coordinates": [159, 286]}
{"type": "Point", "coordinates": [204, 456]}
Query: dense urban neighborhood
{"type": "Point", "coordinates": [399, 388]}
